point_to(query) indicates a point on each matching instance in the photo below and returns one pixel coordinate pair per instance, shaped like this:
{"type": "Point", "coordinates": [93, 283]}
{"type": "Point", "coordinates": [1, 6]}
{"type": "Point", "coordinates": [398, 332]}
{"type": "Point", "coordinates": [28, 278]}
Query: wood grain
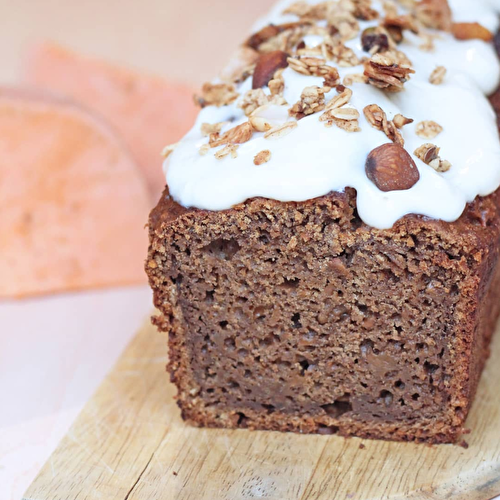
{"type": "Point", "coordinates": [129, 443]}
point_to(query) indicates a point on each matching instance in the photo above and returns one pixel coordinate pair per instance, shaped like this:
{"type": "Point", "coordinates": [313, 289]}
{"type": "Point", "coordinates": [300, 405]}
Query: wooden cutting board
{"type": "Point", "coordinates": [129, 443]}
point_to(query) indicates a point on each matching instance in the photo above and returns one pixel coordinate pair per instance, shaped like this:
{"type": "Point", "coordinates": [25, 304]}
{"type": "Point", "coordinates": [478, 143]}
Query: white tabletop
{"type": "Point", "coordinates": [54, 352]}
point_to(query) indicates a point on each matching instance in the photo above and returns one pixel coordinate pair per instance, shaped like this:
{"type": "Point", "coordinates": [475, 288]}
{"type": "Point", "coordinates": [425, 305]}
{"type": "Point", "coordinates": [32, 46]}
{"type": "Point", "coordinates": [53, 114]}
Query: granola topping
{"type": "Point", "coordinates": [280, 130]}
{"type": "Point", "coordinates": [438, 75]}
{"type": "Point", "coordinates": [237, 135]}
{"type": "Point", "coordinates": [311, 101]}
{"type": "Point", "coordinates": [378, 120]}
{"type": "Point", "coordinates": [325, 84]}
{"type": "Point", "coordinates": [314, 66]}
{"type": "Point", "coordinates": [220, 94]}
{"type": "Point", "coordinates": [429, 154]}
{"type": "Point", "coordinates": [383, 72]}
{"type": "Point", "coordinates": [428, 129]}
{"type": "Point", "coordinates": [262, 157]}
{"type": "Point", "coordinates": [374, 40]}
{"type": "Point", "coordinates": [230, 149]}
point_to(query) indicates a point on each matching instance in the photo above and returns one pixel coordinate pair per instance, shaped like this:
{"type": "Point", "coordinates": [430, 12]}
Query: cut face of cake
{"type": "Point", "coordinates": [334, 268]}
{"type": "Point", "coordinates": [299, 317]}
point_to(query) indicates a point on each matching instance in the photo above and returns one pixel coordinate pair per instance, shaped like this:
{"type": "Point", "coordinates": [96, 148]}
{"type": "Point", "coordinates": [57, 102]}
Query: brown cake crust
{"type": "Point", "coordinates": [300, 317]}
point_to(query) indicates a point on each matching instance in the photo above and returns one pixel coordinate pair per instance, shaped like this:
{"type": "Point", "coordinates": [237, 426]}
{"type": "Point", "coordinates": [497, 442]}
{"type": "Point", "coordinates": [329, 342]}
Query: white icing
{"type": "Point", "coordinates": [313, 160]}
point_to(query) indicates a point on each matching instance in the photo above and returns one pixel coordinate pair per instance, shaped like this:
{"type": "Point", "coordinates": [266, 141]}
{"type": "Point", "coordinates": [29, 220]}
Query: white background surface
{"type": "Point", "coordinates": [54, 352]}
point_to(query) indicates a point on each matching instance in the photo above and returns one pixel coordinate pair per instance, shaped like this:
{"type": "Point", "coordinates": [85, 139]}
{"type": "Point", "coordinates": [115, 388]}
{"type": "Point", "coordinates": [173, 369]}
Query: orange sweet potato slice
{"type": "Point", "coordinates": [147, 111]}
{"type": "Point", "coordinates": [73, 204]}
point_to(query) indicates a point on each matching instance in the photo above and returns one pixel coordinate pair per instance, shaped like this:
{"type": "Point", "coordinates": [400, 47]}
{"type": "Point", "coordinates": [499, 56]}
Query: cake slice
{"type": "Point", "coordinates": [334, 268]}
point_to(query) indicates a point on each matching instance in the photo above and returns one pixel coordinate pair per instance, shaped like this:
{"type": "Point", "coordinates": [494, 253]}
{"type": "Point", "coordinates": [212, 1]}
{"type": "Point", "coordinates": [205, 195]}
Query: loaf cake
{"type": "Point", "coordinates": [325, 255]}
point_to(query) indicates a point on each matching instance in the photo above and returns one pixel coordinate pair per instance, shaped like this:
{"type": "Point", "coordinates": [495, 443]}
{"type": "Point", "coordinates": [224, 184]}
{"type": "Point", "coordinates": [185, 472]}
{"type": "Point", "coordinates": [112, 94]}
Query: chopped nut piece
{"type": "Point", "coordinates": [400, 121]}
{"type": "Point", "coordinates": [168, 150]}
{"type": "Point", "coordinates": [391, 168]}
{"type": "Point", "coordinates": [374, 40]}
{"type": "Point", "coordinates": [429, 154]}
{"type": "Point", "coordinates": [280, 130]}
{"type": "Point", "coordinates": [378, 119]}
{"type": "Point", "coordinates": [220, 94]}
{"type": "Point", "coordinates": [428, 129]}
{"type": "Point", "coordinates": [262, 157]}
{"type": "Point", "coordinates": [211, 128]}
{"type": "Point", "coordinates": [311, 101]}
{"type": "Point", "coordinates": [237, 135]}
{"type": "Point", "coordinates": [470, 31]}
{"type": "Point", "coordinates": [230, 149]}
{"type": "Point", "coordinates": [383, 72]}
{"type": "Point", "coordinates": [266, 67]}
{"type": "Point", "coordinates": [313, 66]}
{"type": "Point", "coordinates": [434, 14]}
{"type": "Point", "coordinates": [437, 76]}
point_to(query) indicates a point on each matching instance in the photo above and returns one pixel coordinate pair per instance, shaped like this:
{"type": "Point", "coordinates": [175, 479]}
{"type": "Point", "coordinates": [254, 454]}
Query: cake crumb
{"type": "Point", "coordinates": [464, 444]}
{"type": "Point", "coordinates": [362, 446]}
